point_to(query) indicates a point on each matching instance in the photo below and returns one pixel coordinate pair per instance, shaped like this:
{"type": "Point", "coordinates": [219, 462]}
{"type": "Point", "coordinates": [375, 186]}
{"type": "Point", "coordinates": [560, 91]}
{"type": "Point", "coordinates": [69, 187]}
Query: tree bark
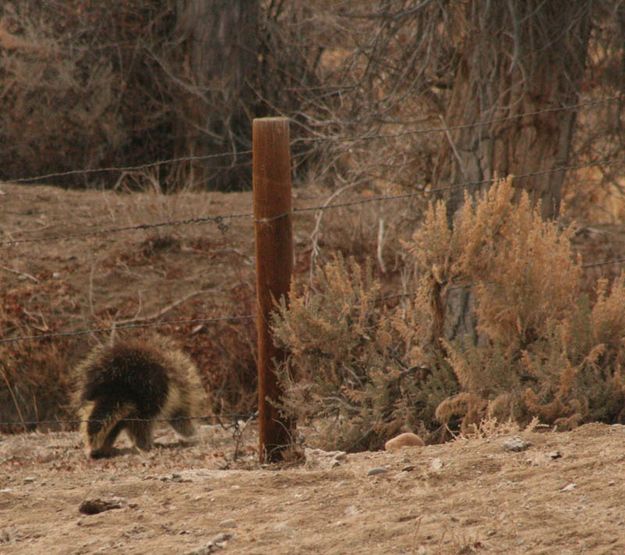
{"type": "Point", "coordinates": [515, 57]}
{"type": "Point", "coordinates": [220, 39]}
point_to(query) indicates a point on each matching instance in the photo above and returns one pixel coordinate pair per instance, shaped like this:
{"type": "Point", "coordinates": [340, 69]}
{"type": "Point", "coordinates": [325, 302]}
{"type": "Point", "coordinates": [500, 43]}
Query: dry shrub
{"type": "Point", "coordinates": [34, 386]}
{"type": "Point", "coordinates": [542, 349]}
{"type": "Point", "coordinates": [346, 370]}
{"type": "Point", "coordinates": [34, 378]}
{"type": "Point", "coordinates": [56, 99]}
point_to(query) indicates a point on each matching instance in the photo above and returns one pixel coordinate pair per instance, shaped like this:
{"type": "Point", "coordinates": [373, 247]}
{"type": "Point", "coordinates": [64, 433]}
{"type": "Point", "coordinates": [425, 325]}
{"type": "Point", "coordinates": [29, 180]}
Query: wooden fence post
{"type": "Point", "coordinates": [274, 265]}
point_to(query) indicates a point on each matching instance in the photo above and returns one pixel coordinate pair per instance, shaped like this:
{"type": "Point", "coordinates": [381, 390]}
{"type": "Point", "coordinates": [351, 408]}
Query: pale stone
{"type": "Point", "coordinates": [407, 439]}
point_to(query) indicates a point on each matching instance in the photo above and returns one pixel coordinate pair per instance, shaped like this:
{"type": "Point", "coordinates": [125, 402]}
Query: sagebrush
{"type": "Point", "coordinates": [541, 348]}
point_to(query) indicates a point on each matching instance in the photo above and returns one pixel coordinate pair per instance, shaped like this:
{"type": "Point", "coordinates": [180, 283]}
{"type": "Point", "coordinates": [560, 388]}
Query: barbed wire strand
{"type": "Point", "coordinates": [220, 219]}
{"type": "Point", "coordinates": [466, 184]}
{"type": "Point", "coordinates": [122, 169]}
{"type": "Point", "coordinates": [235, 417]}
{"type": "Point", "coordinates": [431, 130]}
{"type": "Point", "coordinates": [231, 318]}
{"type": "Point", "coordinates": [138, 167]}
{"type": "Point", "coordinates": [129, 325]}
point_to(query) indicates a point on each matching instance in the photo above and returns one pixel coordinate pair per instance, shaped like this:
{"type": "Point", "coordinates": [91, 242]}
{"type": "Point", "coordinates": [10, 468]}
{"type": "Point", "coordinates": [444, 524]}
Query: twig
{"type": "Point", "coordinates": [17, 406]}
{"type": "Point", "coordinates": [237, 434]}
{"type": "Point", "coordinates": [380, 246]}
{"type": "Point", "coordinates": [163, 310]}
{"type": "Point", "coordinates": [18, 273]}
{"type": "Point", "coordinates": [91, 274]}
{"type": "Point", "coordinates": [314, 236]}
{"type": "Point", "coordinates": [453, 148]}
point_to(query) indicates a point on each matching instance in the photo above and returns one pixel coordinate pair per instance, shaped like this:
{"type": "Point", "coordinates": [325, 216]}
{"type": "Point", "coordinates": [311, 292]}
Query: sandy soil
{"type": "Point", "coordinates": [563, 494]}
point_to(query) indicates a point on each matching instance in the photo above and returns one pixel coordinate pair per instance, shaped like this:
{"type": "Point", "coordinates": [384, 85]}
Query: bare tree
{"type": "Point", "coordinates": [515, 57]}
{"type": "Point", "coordinates": [518, 64]}
{"type": "Point", "coordinates": [220, 42]}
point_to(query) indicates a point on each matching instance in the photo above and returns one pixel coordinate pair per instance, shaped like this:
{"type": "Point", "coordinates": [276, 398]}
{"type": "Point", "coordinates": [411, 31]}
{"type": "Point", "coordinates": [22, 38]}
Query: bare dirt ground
{"type": "Point", "coordinates": [563, 494]}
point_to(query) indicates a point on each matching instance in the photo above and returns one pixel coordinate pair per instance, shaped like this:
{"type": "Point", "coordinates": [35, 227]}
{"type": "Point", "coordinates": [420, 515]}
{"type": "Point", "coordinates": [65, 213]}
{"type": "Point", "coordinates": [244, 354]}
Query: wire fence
{"type": "Point", "coordinates": [235, 318]}
{"type": "Point", "coordinates": [234, 423]}
{"type": "Point", "coordinates": [221, 219]}
{"type": "Point", "coordinates": [222, 222]}
{"type": "Point", "coordinates": [128, 326]}
{"type": "Point", "coordinates": [213, 418]}
{"type": "Point", "coordinates": [590, 104]}
{"type": "Point", "coordinates": [125, 169]}
{"type": "Point", "coordinates": [468, 125]}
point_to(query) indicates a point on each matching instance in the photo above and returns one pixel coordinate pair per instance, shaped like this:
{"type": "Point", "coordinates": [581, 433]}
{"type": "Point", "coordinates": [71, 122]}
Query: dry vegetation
{"type": "Point", "coordinates": [374, 342]}
{"type": "Point", "coordinates": [544, 347]}
{"type": "Point", "coordinates": [114, 84]}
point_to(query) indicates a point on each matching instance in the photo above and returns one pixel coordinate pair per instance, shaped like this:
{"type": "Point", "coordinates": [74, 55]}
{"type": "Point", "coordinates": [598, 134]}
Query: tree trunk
{"type": "Point", "coordinates": [515, 57]}
{"type": "Point", "coordinates": [220, 38]}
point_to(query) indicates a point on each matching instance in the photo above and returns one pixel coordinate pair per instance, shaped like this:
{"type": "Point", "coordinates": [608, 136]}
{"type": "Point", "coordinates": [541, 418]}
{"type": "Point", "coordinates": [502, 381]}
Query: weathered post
{"type": "Point", "coordinates": [274, 264]}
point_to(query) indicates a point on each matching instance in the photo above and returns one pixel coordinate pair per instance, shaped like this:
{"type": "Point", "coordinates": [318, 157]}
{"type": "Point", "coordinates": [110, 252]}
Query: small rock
{"type": "Point", "coordinates": [179, 477]}
{"type": "Point", "coordinates": [569, 487]}
{"type": "Point", "coordinates": [351, 510]}
{"type": "Point", "coordinates": [542, 459]}
{"type": "Point", "coordinates": [612, 483]}
{"type": "Point", "coordinates": [407, 439]}
{"type": "Point", "coordinates": [318, 458]}
{"type": "Point", "coordinates": [56, 275]}
{"type": "Point", "coordinates": [377, 470]}
{"type": "Point", "coordinates": [97, 505]}
{"type": "Point", "coordinates": [228, 523]}
{"type": "Point", "coordinates": [217, 543]}
{"type": "Point", "coordinates": [516, 444]}
{"type": "Point", "coordinates": [408, 468]}
{"type": "Point", "coordinates": [29, 479]}
{"type": "Point", "coordinates": [436, 465]}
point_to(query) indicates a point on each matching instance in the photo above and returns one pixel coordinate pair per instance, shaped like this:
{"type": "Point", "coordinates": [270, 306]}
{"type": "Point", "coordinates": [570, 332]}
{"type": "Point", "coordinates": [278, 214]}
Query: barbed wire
{"type": "Point", "coordinates": [603, 263]}
{"type": "Point", "coordinates": [466, 184]}
{"type": "Point", "coordinates": [405, 294]}
{"type": "Point", "coordinates": [439, 129]}
{"type": "Point", "coordinates": [126, 326]}
{"type": "Point", "coordinates": [230, 318]}
{"type": "Point", "coordinates": [482, 123]}
{"type": "Point", "coordinates": [122, 169]}
{"type": "Point", "coordinates": [219, 418]}
{"type": "Point", "coordinates": [221, 219]}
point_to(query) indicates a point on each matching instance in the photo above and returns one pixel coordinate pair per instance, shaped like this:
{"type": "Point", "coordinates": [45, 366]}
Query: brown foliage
{"type": "Point", "coordinates": [346, 372]}
{"type": "Point", "coordinates": [544, 350]}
